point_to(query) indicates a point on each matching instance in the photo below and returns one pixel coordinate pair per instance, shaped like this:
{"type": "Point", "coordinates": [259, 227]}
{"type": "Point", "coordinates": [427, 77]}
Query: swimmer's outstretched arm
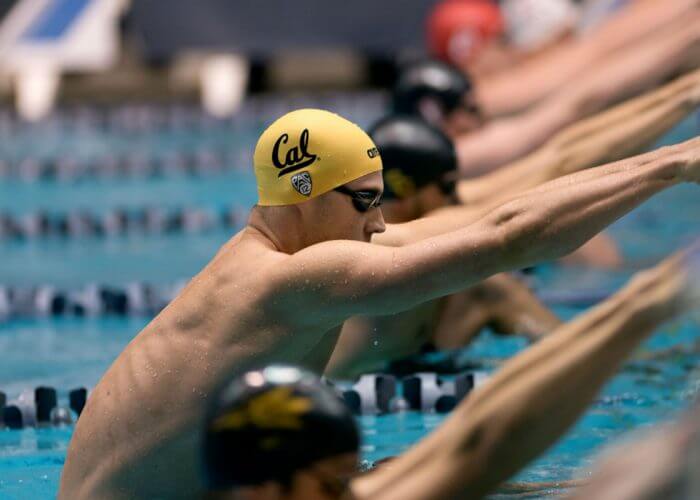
{"type": "Point", "coordinates": [617, 78]}
{"type": "Point", "coordinates": [620, 132]}
{"type": "Point", "coordinates": [522, 86]}
{"type": "Point", "coordinates": [536, 396]}
{"type": "Point", "coordinates": [537, 201]}
{"type": "Point", "coordinates": [343, 278]}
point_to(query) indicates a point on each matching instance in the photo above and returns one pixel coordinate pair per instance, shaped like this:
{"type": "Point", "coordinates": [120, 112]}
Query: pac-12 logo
{"type": "Point", "coordinates": [296, 157]}
{"type": "Point", "coordinates": [302, 183]}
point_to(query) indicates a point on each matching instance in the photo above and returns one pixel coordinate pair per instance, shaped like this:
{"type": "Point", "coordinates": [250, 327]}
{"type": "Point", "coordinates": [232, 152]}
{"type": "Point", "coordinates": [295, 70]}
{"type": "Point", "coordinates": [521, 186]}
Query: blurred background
{"type": "Point", "coordinates": [126, 138]}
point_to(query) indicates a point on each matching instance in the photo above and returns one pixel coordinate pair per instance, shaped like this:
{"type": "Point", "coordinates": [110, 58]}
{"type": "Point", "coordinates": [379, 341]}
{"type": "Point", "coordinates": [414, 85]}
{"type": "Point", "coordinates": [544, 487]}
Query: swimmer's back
{"type": "Point", "coordinates": [220, 318]}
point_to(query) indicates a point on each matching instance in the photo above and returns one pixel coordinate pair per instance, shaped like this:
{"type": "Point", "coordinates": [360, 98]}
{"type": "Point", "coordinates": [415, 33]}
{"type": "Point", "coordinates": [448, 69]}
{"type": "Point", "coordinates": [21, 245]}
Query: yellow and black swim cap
{"type": "Point", "coordinates": [267, 424]}
{"type": "Point", "coordinates": [309, 152]}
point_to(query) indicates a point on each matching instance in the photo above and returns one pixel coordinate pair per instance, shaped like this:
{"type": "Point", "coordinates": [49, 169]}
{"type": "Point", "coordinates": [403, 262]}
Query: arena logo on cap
{"type": "Point", "coordinates": [296, 157]}
{"type": "Point", "coordinates": [302, 183]}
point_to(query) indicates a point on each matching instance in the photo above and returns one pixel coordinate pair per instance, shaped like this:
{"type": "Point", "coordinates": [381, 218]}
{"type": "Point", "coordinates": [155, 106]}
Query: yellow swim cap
{"type": "Point", "coordinates": [309, 152]}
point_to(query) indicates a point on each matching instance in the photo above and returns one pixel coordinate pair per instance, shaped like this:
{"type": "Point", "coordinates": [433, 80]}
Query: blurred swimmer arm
{"type": "Point", "coordinates": [520, 87]}
{"type": "Point", "coordinates": [617, 78]}
{"type": "Point", "coordinates": [617, 133]}
{"type": "Point", "coordinates": [348, 278]}
{"type": "Point", "coordinates": [535, 397]}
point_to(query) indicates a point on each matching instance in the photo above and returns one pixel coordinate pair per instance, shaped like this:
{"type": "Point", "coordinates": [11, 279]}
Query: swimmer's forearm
{"type": "Point", "coordinates": [557, 217]}
{"type": "Point", "coordinates": [633, 70]}
{"type": "Point", "coordinates": [679, 92]}
{"type": "Point", "coordinates": [620, 140]}
{"type": "Point", "coordinates": [533, 399]}
{"type": "Point", "coordinates": [537, 396]}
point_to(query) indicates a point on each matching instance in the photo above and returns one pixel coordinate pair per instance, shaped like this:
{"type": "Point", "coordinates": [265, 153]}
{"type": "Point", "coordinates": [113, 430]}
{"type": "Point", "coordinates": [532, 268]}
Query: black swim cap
{"type": "Point", "coordinates": [414, 154]}
{"type": "Point", "coordinates": [433, 79]}
{"type": "Point", "coordinates": [269, 423]}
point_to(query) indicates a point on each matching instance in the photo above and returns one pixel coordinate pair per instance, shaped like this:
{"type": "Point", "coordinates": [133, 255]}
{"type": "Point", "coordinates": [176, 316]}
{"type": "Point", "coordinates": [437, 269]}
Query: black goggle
{"type": "Point", "coordinates": [362, 200]}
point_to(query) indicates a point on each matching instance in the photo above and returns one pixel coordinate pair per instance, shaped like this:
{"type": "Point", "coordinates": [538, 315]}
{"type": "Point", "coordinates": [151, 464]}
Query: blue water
{"type": "Point", "coordinates": [68, 353]}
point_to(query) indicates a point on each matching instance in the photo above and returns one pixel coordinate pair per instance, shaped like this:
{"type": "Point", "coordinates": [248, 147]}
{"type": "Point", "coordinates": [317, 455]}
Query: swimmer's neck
{"type": "Point", "coordinates": [281, 227]}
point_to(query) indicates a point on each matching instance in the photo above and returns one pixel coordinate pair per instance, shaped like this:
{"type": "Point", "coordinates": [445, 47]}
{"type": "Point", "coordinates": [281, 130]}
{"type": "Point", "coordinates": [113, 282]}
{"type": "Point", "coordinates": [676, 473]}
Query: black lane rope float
{"type": "Point", "coordinates": [41, 407]}
{"type": "Point", "coordinates": [150, 220]}
{"type": "Point", "coordinates": [371, 394]}
{"type": "Point", "coordinates": [93, 300]}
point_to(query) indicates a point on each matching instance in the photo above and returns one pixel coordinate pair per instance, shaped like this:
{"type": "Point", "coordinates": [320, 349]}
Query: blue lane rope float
{"type": "Point", "coordinates": [371, 394]}
{"type": "Point", "coordinates": [118, 222]}
{"type": "Point", "coordinates": [156, 117]}
{"type": "Point", "coordinates": [67, 168]}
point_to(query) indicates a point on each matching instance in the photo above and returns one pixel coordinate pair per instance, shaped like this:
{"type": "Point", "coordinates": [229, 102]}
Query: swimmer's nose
{"type": "Point", "coordinates": [376, 222]}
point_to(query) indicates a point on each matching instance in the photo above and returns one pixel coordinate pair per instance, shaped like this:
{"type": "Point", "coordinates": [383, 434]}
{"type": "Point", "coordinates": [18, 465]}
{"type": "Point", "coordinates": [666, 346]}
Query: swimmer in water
{"type": "Point", "coordinates": [280, 433]}
{"type": "Point", "coordinates": [448, 99]}
{"type": "Point", "coordinates": [519, 52]}
{"type": "Point", "coordinates": [281, 289]}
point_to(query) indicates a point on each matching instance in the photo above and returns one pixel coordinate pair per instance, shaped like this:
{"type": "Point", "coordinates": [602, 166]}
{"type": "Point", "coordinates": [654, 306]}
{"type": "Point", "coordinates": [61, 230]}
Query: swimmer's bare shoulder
{"type": "Point", "coordinates": [158, 385]}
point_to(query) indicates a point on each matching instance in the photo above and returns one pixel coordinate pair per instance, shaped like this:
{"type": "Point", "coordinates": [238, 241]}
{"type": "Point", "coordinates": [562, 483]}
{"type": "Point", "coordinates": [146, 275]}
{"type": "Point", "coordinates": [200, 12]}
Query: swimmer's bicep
{"type": "Point", "coordinates": [347, 278]}
{"type": "Point", "coordinates": [339, 278]}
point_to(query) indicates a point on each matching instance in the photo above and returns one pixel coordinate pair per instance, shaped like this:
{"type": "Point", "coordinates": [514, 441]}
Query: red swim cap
{"type": "Point", "coordinates": [462, 27]}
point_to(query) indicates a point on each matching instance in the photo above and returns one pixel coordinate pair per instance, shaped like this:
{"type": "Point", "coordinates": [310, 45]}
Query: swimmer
{"type": "Point", "coordinates": [448, 99]}
{"type": "Point", "coordinates": [419, 170]}
{"type": "Point", "coordinates": [278, 432]}
{"type": "Point", "coordinates": [281, 289]}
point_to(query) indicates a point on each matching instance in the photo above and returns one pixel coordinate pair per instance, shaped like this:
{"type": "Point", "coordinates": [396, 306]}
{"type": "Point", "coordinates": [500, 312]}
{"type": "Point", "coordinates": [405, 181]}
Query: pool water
{"type": "Point", "coordinates": [72, 352]}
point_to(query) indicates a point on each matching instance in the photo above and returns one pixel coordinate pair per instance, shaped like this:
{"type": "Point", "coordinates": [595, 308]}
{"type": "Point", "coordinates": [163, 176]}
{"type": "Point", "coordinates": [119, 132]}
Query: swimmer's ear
{"type": "Point", "coordinates": [431, 110]}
